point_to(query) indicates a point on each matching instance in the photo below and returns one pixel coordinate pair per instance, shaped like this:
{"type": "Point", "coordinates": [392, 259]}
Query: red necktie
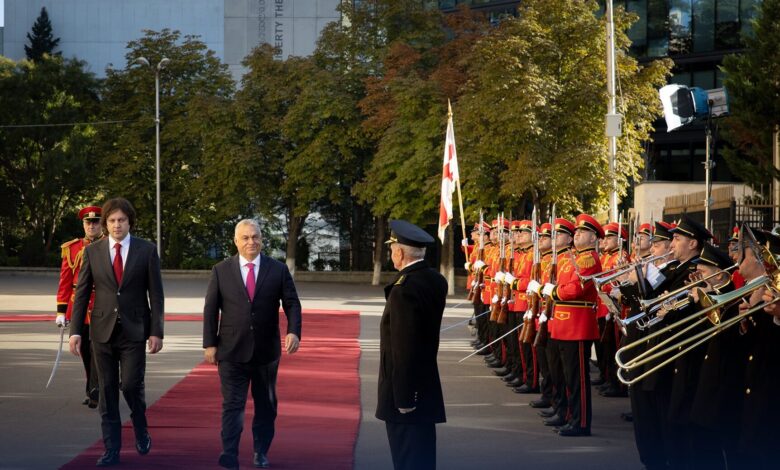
{"type": "Point", "coordinates": [250, 281]}
{"type": "Point", "coordinates": [118, 269]}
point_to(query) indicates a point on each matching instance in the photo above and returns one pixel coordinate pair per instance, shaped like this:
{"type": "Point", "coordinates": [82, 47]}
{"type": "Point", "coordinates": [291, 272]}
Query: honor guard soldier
{"type": "Point", "coordinates": [72, 255]}
{"type": "Point", "coordinates": [644, 239]}
{"type": "Point", "coordinates": [476, 267]}
{"type": "Point", "coordinates": [410, 397]}
{"type": "Point", "coordinates": [575, 326]}
{"type": "Point", "coordinates": [492, 294]}
{"type": "Point", "coordinates": [615, 240]}
{"type": "Point", "coordinates": [560, 412]}
{"type": "Point", "coordinates": [528, 369]}
{"type": "Point", "coordinates": [547, 386]}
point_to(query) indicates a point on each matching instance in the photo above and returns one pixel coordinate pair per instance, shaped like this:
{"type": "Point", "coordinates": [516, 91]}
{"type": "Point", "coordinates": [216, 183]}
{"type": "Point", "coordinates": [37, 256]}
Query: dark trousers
{"type": "Point", "coordinates": [559, 398]}
{"type": "Point", "coordinates": [647, 428]}
{"type": "Point", "coordinates": [530, 360]}
{"type": "Point", "coordinates": [90, 368]}
{"type": "Point", "coordinates": [413, 446]}
{"type": "Point", "coordinates": [546, 383]}
{"type": "Point", "coordinates": [513, 357]}
{"type": "Point", "coordinates": [576, 372]}
{"type": "Point", "coordinates": [129, 356]}
{"type": "Point", "coordinates": [236, 378]}
{"type": "Point", "coordinates": [482, 321]}
{"type": "Point", "coordinates": [602, 356]}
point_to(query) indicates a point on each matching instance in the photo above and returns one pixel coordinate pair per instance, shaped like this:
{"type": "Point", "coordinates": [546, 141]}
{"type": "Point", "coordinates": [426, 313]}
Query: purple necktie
{"type": "Point", "coordinates": [250, 281]}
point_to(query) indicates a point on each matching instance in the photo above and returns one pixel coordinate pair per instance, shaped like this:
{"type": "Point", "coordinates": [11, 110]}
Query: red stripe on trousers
{"type": "Point", "coordinates": [583, 396]}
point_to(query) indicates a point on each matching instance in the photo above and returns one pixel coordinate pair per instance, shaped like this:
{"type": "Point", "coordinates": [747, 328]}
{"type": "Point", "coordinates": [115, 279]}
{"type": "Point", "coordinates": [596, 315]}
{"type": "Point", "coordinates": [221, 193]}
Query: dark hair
{"type": "Point", "coordinates": [117, 204]}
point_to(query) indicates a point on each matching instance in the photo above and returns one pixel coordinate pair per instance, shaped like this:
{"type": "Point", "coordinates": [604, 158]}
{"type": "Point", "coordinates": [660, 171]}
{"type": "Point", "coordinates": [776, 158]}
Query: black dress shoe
{"type": "Point", "coordinates": [572, 431]}
{"type": "Point", "coordinates": [548, 413]}
{"type": "Point", "coordinates": [554, 421]}
{"type": "Point", "coordinates": [108, 459]}
{"type": "Point", "coordinates": [228, 461]}
{"type": "Point", "coordinates": [92, 403]}
{"type": "Point", "coordinates": [502, 372]}
{"type": "Point", "coordinates": [541, 403]}
{"type": "Point", "coordinates": [484, 352]}
{"type": "Point", "coordinates": [143, 444]}
{"type": "Point", "coordinates": [510, 377]}
{"type": "Point", "coordinates": [495, 365]}
{"type": "Point", "coordinates": [515, 383]}
{"type": "Point", "coordinates": [527, 389]}
{"type": "Point", "coordinates": [260, 460]}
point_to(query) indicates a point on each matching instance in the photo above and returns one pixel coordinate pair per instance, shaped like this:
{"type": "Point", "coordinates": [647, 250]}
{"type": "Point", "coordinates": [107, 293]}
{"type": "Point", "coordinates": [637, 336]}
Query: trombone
{"type": "Point", "coordinates": [713, 306]}
{"type": "Point", "coordinates": [605, 277]}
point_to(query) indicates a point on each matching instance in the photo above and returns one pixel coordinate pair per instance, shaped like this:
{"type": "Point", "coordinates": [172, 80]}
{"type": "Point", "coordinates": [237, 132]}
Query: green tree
{"type": "Point", "coordinates": [46, 154]}
{"type": "Point", "coordinates": [751, 79]}
{"type": "Point", "coordinates": [535, 103]}
{"type": "Point", "coordinates": [199, 194]}
{"type": "Point", "coordinates": [42, 41]}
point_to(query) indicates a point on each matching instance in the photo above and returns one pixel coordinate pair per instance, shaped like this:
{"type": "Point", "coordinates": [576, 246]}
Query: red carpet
{"type": "Point", "coordinates": [319, 408]}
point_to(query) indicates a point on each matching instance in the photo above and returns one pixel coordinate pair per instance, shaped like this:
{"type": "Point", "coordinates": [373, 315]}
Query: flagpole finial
{"type": "Point", "coordinates": [449, 108]}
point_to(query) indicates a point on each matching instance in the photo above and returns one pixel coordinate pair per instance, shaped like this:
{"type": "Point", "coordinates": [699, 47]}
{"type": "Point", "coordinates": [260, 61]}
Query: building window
{"type": "Point", "coordinates": [727, 24]}
{"type": "Point", "coordinates": [703, 25]}
{"type": "Point", "coordinates": [657, 28]}
{"type": "Point", "coordinates": [680, 27]}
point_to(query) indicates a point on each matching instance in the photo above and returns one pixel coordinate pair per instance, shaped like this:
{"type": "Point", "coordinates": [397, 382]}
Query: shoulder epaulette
{"type": "Point", "coordinates": [400, 280]}
{"type": "Point", "coordinates": [586, 262]}
{"type": "Point", "coordinates": [67, 244]}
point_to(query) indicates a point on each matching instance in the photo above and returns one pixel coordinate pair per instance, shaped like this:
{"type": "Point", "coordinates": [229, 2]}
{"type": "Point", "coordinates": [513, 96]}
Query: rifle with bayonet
{"type": "Point", "coordinates": [495, 304]}
{"type": "Point", "coordinates": [506, 288]}
{"type": "Point", "coordinates": [475, 294]}
{"type": "Point", "coordinates": [543, 333]}
{"type": "Point", "coordinates": [528, 334]}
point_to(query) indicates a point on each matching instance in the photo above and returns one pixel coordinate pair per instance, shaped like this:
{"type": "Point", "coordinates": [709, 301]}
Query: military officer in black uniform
{"type": "Point", "coordinates": [410, 399]}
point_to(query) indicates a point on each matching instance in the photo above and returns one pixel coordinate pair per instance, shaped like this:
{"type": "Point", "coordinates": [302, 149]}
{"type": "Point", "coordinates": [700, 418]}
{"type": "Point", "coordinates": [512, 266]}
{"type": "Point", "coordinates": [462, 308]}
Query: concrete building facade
{"type": "Point", "coordinates": [97, 31]}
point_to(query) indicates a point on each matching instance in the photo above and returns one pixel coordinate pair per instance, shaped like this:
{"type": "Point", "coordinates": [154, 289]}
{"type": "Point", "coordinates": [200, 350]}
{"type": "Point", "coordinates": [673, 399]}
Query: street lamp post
{"type": "Point", "coordinates": [160, 65]}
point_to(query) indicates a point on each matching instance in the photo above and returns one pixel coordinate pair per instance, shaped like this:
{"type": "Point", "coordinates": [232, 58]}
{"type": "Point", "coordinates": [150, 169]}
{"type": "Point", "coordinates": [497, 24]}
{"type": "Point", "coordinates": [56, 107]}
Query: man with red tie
{"type": "Point", "coordinates": [124, 272]}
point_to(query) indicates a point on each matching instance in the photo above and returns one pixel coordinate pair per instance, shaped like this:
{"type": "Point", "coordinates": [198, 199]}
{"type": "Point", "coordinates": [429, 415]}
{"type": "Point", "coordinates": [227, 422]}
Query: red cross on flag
{"type": "Point", "coordinates": [449, 177]}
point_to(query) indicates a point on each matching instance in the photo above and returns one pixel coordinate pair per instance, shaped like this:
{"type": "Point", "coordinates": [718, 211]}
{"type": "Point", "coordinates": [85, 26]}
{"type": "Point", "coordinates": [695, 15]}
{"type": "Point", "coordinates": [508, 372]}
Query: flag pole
{"type": "Point", "coordinates": [457, 185]}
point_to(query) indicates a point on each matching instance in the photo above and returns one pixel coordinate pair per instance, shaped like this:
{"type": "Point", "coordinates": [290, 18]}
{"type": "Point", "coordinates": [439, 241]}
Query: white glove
{"type": "Point", "coordinates": [60, 320]}
{"type": "Point", "coordinates": [615, 293]}
{"type": "Point", "coordinates": [543, 317]}
{"type": "Point", "coordinates": [509, 279]}
{"type": "Point", "coordinates": [528, 315]}
{"type": "Point", "coordinates": [533, 287]}
{"type": "Point", "coordinates": [479, 264]}
{"type": "Point", "coordinates": [609, 316]}
{"type": "Point", "coordinates": [499, 277]}
{"type": "Point", "coordinates": [467, 266]}
{"type": "Point", "coordinates": [494, 299]}
{"type": "Point", "coordinates": [473, 283]}
{"type": "Point", "coordinates": [464, 242]}
{"type": "Point", "coordinates": [548, 288]}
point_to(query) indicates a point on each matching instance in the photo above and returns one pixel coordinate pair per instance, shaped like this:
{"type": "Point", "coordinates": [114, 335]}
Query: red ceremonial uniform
{"type": "Point", "coordinates": [524, 261]}
{"type": "Point", "coordinates": [574, 309]}
{"type": "Point", "coordinates": [72, 256]}
{"type": "Point", "coordinates": [471, 258]}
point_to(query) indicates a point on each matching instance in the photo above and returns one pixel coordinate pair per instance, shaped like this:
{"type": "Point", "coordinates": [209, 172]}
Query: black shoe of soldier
{"type": "Point", "coordinates": [573, 431]}
{"type": "Point", "coordinates": [515, 383]}
{"type": "Point", "coordinates": [540, 403]}
{"type": "Point", "coordinates": [547, 413]}
{"type": "Point", "coordinates": [554, 421]}
{"type": "Point", "coordinates": [501, 372]}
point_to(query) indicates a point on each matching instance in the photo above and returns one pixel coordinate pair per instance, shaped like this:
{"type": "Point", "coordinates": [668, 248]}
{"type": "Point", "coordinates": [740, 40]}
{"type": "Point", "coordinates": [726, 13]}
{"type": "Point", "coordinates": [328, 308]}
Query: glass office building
{"type": "Point", "coordinates": [696, 35]}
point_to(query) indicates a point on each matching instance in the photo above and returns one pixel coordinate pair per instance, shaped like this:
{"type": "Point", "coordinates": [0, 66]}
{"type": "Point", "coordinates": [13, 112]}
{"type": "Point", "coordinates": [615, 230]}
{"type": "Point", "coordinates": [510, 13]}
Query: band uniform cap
{"type": "Point", "coordinates": [406, 233]}
{"type": "Point", "coordinates": [563, 225]}
{"type": "Point", "coordinates": [692, 229]}
{"type": "Point", "coordinates": [734, 234]}
{"type": "Point", "coordinates": [494, 224]}
{"type": "Point", "coordinates": [521, 226]}
{"type": "Point", "coordinates": [646, 228]}
{"type": "Point", "coordinates": [90, 213]}
{"type": "Point", "coordinates": [587, 222]}
{"type": "Point", "coordinates": [485, 227]}
{"type": "Point", "coordinates": [663, 231]}
{"type": "Point", "coordinates": [612, 229]}
{"type": "Point", "coordinates": [768, 240]}
{"type": "Point", "coordinates": [545, 229]}
{"type": "Point", "coordinates": [713, 256]}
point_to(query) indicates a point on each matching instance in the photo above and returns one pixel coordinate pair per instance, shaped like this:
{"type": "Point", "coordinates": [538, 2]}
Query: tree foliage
{"type": "Point", "coordinates": [535, 103]}
{"type": "Point", "coordinates": [195, 94]}
{"type": "Point", "coordinates": [46, 163]}
{"type": "Point", "coordinates": [754, 94]}
{"type": "Point", "coordinates": [42, 41]}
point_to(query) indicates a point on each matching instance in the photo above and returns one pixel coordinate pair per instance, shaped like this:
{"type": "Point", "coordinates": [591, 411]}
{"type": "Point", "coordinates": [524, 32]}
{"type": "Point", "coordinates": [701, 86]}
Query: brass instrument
{"type": "Point", "coordinates": [646, 305]}
{"type": "Point", "coordinates": [605, 277]}
{"type": "Point", "coordinates": [714, 305]}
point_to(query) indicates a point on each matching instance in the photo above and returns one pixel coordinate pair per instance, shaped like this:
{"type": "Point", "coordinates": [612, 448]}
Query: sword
{"type": "Point", "coordinates": [59, 355]}
{"type": "Point", "coordinates": [472, 317]}
{"type": "Point", "coordinates": [493, 342]}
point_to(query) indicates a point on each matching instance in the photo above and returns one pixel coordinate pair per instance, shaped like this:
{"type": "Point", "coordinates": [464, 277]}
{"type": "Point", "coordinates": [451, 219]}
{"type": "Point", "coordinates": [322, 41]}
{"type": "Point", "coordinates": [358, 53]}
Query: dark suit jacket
{"type": "Point", "coordinates": [409, 345]}
{"type": "Point", "coordinates": [138, 301]}
{"type": "Point", "coordinates": [242, 330]}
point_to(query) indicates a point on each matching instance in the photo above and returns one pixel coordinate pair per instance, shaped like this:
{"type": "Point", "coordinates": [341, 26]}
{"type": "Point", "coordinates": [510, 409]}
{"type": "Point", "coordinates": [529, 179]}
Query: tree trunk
{"type": "Point", "coordinates": [447, 261]}
{"type": "Point", "coordinates": [379, 250]}
{"type": "Point", "coordinates": [294, 227]}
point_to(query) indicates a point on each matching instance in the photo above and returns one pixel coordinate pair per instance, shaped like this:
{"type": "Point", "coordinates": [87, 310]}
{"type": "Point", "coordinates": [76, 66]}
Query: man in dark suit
{"type": "Point", "coordinates": [124, 272]}
{"type": "Point", "coordinates": [241, 336]}
{"type": "Point", "coordinates": [410, 397]}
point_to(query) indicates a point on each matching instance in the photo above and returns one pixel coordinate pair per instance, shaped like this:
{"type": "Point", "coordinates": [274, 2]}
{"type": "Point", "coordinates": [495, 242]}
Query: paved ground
{"type": "Point", "coordinates": [488, 426]}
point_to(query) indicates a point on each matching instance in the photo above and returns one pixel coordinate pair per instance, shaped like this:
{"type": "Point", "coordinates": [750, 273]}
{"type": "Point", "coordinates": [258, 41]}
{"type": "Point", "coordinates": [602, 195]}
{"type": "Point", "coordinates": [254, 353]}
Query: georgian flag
{"type": "Point", "coordinates": [449, 178]}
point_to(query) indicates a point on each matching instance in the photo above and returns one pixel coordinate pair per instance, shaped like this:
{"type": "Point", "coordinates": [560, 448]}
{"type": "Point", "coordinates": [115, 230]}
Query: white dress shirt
{"type": "Point", "coordinates": [245, 270]}
{"type": "Point", "coordinates": [124, 250]}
